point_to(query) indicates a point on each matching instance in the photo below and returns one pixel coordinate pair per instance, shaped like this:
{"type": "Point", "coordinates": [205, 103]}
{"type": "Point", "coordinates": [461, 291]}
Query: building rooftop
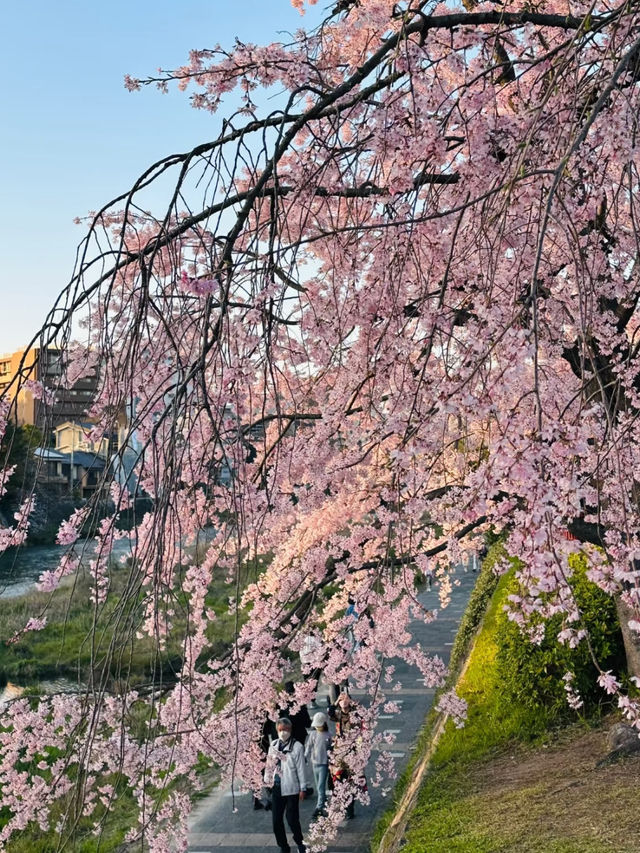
{"type": "Point", "coordinates": [80, 457]}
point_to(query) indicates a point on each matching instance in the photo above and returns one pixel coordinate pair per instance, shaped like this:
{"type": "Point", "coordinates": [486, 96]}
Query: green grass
{"type": "Point", "coordinates": [78, 639]}
{"type": "Point", "coordinates": [461, 808]}
{"type": "Point", "coordinates": [530, 800]}
{"type": "Point", "coordinates": [452, 817]}
{"type": "Point", "coordinates": [491, 721]}
{"type": "Point", "coordinates": [69, 647]}
{"type": "Point", "coordinates": [65, 648]}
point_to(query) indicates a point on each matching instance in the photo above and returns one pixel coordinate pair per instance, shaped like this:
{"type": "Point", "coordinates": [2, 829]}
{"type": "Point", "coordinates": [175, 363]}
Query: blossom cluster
{"type": "Point", "coordinates": [394, 313]}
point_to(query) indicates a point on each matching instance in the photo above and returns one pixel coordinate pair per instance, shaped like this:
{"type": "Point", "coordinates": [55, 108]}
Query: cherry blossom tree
{"type": "Point", "coordinates": [398, 304]}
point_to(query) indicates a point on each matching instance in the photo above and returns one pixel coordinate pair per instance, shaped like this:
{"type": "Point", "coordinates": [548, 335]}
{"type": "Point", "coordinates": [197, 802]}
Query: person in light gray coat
{"type": "Point", "coordinates": [285, 774]}
{"type": "Point", "coordinates": [317, 752]}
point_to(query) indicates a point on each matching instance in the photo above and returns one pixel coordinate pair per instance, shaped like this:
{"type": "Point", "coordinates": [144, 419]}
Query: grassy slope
{"type": "Point", "coordinates": [552, 798]}
{"type": "Point", "coordinates": [491, 721]}
{"type": "Point", "coordinates": [490, 790]}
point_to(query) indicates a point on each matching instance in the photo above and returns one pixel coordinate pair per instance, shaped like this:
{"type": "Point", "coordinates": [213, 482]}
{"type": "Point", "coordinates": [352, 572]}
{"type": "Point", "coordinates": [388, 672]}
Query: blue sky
{"type": "Point", "coordinates": [71, 136]}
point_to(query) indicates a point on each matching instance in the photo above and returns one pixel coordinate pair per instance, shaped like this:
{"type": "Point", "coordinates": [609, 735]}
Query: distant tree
{"type": "Point", "coordinates": [16, 452]}
{"type": "Point", "coordinates": [412, 280]}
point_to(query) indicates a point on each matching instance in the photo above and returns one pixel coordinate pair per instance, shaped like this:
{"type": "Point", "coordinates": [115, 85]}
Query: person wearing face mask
{"type": "Point", "coordinates": [285, 774]}
{"type": "Point", "coordinates": [300, 722]}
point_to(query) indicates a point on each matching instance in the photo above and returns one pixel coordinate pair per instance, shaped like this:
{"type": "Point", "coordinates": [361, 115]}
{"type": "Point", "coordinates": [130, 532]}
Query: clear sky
{"type": "Point", "coordinates": [71, 136]}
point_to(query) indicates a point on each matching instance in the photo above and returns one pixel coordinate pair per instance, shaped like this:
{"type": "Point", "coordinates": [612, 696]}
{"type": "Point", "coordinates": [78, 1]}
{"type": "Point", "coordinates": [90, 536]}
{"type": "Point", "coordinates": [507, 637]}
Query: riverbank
{"type": "Point", "coordinates": [526, 773]}
{"type": "Point", "coordinates": [553, 798]}
{"type": "Point", "coordinates": [61, 649]}
{"type": "Point", "coordinates": [81, 645]}
{"type": "Point", "coordinates": [118, 652]}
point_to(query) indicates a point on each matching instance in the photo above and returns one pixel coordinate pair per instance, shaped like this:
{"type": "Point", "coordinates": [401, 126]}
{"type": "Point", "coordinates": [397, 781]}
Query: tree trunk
{"type": "Point", "coordinates": [631, 638]}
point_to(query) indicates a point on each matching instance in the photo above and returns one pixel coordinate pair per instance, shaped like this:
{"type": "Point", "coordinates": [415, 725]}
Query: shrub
{"type": "Point", "coordinates": [532, 674]}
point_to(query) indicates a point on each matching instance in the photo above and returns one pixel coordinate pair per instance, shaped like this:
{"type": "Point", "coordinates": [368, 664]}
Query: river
{"type": "Point", "coordinates": [20, 568]}
{"type": "Point", "coordinates": [58, 685]}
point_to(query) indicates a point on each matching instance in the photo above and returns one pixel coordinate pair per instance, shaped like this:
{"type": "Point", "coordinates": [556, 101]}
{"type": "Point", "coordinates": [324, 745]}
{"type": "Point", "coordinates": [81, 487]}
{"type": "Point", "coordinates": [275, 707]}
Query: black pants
{"type": "Point", "coordinates": [289, 805]}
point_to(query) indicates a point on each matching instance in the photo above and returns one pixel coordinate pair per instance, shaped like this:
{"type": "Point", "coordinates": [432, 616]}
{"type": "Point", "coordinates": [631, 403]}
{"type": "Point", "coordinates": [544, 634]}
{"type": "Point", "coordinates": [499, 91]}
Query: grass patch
{"type": "Point", "coordinates": [515, 778]}
{"type": "Point", "coordinates": [79, 639]}
{"type": "Point", "coordinates": [491, 721]}
{"type": "Point", "coordinates": [551, 799]}
{"type": "Point", "coordinates": [66, 648]}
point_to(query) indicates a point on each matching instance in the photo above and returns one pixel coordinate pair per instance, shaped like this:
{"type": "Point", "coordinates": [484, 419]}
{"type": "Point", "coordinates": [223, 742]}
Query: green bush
{"type": "Point", "coordinates": [532, 673]}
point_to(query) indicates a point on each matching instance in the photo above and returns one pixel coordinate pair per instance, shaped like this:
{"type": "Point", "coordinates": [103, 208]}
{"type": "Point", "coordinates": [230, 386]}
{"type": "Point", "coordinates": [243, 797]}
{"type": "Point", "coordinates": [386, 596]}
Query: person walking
{"type": "Point", "coordinates": [284, 773]}
{"type": "Point", "coordinates": [342, 714]}
{"type": "Point", "coordinates": [266, 736]}
{"type": "Point", "coordinates": [317, 753]}
{"type": "Point", "coordinates": [300, 722]}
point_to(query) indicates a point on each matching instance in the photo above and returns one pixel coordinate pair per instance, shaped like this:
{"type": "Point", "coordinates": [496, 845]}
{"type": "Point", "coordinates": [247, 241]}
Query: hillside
{"type": "Point", "coordinates": [553, 798]}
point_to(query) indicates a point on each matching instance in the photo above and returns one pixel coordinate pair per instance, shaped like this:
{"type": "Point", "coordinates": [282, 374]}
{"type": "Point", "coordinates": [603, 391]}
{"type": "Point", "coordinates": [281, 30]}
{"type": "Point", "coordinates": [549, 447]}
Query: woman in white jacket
{"type": "Point", "coordinates": [284, 773]}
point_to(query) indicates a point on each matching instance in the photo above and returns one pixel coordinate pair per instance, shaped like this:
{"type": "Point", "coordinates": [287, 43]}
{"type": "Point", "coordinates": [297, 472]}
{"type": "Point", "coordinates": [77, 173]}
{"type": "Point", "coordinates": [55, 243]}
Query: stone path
{"type": "Point", "coordinates": [214, 825]}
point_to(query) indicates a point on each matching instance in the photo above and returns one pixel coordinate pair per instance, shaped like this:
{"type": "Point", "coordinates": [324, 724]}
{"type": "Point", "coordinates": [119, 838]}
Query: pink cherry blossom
{"type": "Point", "coordinates": [390, 312]}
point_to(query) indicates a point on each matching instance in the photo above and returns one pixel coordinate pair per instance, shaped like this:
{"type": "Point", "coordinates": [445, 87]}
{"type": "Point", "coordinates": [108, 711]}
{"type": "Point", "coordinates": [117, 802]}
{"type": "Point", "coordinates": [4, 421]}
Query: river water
{"type": "Point", "coordinates": [20, 568]}
{"type": "Point", "coordinates": [58, 685]}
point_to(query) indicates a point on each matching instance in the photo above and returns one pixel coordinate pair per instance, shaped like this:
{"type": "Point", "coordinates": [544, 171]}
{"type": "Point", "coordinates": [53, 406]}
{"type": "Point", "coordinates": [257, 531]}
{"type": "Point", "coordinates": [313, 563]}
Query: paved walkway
{"type": "Point", "coordinates": [215, 827]}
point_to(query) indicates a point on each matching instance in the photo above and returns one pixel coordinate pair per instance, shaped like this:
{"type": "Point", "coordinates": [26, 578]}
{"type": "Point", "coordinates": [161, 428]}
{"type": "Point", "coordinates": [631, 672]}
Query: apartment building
{"type": "Point", "coordinates": [45, 366]}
